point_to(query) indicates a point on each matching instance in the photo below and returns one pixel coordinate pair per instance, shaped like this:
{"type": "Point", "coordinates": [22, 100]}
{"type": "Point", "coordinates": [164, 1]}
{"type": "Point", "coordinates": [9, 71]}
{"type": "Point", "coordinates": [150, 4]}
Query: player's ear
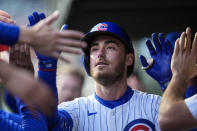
{"type": "Point", "coordinates": [129, 59]}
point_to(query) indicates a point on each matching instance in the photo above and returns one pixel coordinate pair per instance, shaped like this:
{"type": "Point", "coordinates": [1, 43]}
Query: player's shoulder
{"type": "Point", "coordinates": [77, 102]}
{"type": "Point", "coordinates": [145, 95]}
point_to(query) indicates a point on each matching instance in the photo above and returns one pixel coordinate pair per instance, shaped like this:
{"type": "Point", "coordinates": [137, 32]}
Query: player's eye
{"type": "Point", "coordinates": [110, 48]}
{"type": "Point", "coordinates": [93, 49]}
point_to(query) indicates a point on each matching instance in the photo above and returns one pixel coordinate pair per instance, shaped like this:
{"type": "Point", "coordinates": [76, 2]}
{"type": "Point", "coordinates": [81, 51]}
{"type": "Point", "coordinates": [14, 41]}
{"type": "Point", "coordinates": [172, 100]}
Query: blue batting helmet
{"type": "Point", "coordinates": [106, 28]}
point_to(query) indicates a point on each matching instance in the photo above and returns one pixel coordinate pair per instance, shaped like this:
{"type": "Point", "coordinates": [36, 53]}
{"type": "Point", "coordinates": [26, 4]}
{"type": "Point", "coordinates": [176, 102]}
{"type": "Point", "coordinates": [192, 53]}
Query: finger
{"type": "Point", "coordinates": [72, 43]}
{"type": "Point", "coordinates": [143, 61]}
{"type": "Point", "coordinates": [69, 50]}
{"type": "Point", "coordinates": [36, 16]}
{"type": "Point", "coordinates": [156, 42]}
{"type": "Point", "coordinates": [194, 46]}
{"type": "Point", "coordinates": [3, 13]}
{"type": "Point", "coordinates": [188, 35]}
{"type": "Point", "coordinates": [22, 48]}
{"type": "Point", "coordinates": [176, 48]}
{"type": "Point", "coordinates": [162, 41]}
{"type": "Point", "coordinates": [31, 20]}
{"type": "Point", "coordinates": [150, 48]}
{"type": "Point", "coordinates": [52, 18]}
{"type": "Point", "coordinates": [161, 37]}
{"type": "Point", "coordinates": [182, 41]}
{"type": "Point", "coordinates": [64, 27]}
{"type": "Point", "coordinates": [64, 59]}
{"type": "Point", "coordinates": [168, 47]}
{"type": "Point", "coordinates": [58, 56]}
{"type": "Point", "coordinates": [27, 49]}
{"type": "Point", "coordinates": [6, 20]}
{"type": "Point", "coordinates": [71, 34]}
{"type": "Point", "coordinates": [42, 16]}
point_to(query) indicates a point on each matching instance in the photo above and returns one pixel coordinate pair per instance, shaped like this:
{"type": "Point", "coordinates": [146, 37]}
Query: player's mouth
{"type": "Point", "coordinates": [101, 64]}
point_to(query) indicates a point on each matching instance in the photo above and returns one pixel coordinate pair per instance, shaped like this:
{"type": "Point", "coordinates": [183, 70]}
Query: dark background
{"type": "Point", "coordinates": [139, 17]}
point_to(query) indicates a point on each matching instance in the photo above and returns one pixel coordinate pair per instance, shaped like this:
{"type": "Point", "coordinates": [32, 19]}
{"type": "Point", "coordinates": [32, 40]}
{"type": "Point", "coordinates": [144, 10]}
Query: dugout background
{"type": "Point", "coordinates": [139, 17]}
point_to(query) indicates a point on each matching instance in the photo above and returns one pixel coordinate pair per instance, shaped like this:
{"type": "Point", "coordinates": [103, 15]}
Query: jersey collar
{"type": "Point", "coordinates": [112, 104]}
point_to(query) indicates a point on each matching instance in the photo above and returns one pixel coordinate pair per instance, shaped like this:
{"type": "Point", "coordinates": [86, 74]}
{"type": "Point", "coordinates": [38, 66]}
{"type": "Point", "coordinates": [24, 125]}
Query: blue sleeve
{"type": "Point", "coordinates": [10, 101]}
{"type": "Point", "coordinates": [65, 122]}
{"type": "Point", "coordinates": [11, 116]}
{"type": "Point", "coordinates": [47, 73]}
{"type": "Point", "coordinates": [191, 90]}
{"type": "Point", "coordinates": [27, 121]}
{"type": "Point", "coordinates": [9, 34]}
{"type": "Point", "coordinates": [60, 120]}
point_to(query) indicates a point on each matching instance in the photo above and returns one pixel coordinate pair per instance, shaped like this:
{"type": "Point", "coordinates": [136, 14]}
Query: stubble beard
{"type": "Point", "coordinates": [110, 78]}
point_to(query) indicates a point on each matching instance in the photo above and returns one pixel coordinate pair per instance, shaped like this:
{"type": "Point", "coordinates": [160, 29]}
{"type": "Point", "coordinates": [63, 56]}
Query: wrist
{"type": "Point", "coordinates": [179, 85]}
{"type": "Point", "coordinates": [26, 35]}
{"type": "Point", "coordinates": [181, 78]}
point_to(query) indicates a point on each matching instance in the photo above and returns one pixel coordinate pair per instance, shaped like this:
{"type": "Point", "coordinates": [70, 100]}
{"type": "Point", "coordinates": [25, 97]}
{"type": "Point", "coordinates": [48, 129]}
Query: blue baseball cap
{"type": "Point", "coordinates": [109, 28]}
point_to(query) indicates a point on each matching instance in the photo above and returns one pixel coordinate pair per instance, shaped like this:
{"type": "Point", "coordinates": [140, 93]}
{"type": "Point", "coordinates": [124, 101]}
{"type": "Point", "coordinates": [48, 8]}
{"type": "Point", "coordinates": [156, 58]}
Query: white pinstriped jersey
{"type": "Point", "coordinates": [135, 111]}
{"type": "Point", "coordinates": [191, 105]}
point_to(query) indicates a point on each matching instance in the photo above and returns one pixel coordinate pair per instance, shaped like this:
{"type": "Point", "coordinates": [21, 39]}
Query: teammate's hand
{"type": "Point", "coordinates": [184, 57]}
{"type": "Point", "coordinates": [20, 57]}
{"type": "Point", "coordinates": [6, 18]}
{"type": "Point", "coordinates": [159, 67]}
{"type": "Point", "coordinates": [22, 84]}
{"type": "Point", "coordinates": [50, 42]}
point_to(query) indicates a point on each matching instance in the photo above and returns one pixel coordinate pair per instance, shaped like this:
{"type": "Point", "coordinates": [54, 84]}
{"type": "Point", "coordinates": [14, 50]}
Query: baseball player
{"type": "Point", "coordinates": [174, 111]}
{"type": "Point", "coordinates": [108, 59]}
{"type": "Point", "coordinates": [56, 41]}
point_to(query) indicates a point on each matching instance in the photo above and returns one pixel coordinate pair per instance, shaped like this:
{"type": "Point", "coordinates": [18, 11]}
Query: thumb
{"type": "Point", "coordinates": [143, 61]}
{"type": "Point", "coordinates": [52, 18]}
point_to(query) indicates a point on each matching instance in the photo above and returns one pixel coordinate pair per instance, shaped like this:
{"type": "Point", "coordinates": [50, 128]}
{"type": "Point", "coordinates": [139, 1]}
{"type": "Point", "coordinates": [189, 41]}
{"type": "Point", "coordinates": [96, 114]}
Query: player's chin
{"type": "Point", "coordinates": [100, 74]}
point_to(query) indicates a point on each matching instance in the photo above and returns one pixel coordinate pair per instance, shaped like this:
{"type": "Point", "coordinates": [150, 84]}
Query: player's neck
{"type": "Point", "coordinates": [113, 91]}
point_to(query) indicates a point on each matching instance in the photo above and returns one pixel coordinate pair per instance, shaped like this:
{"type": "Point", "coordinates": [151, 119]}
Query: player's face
{"type": "Point", "coordinates": [107, 59]}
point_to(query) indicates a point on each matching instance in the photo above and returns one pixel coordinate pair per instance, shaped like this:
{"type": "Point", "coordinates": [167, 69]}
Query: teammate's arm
{"type": "Point", "coordinates": [173, 112]}
{"type": "Point", "coordinates": [47, 73]}
{"type": "Point", "coordinates": [42, 37]}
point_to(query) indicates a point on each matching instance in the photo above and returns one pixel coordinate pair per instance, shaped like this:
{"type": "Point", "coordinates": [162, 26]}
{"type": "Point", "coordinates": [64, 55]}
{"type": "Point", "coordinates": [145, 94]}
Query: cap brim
{"type": "Point", "coordinates": [90, 36]}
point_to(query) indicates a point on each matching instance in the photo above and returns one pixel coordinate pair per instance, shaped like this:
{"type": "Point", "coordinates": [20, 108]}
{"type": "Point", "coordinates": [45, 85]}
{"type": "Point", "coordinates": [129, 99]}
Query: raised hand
{"type": "Point", "coordinates": [158, 67]}
{"type": "Point", "coordinates": [20, 57]}
{"type": "Point", "coordinates": [50, 42]}
{"type": "Point", "coordinates": [6, 18]}
{"type": "Point", "coordinates": [184, 57]}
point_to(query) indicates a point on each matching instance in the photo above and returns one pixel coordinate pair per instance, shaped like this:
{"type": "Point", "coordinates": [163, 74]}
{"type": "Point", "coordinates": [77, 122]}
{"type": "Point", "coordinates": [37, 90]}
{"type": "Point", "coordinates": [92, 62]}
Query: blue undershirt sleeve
{"type": "Point", "coordinates": [9, 34]}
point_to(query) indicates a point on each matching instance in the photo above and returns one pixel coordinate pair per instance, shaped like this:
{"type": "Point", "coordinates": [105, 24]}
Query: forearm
{"type": "Point", "coordinates": [5, 70]}
{"type": "Point", "coordinates": [173, 109]}
{"type": "Point", "coordinates": [175, 90]}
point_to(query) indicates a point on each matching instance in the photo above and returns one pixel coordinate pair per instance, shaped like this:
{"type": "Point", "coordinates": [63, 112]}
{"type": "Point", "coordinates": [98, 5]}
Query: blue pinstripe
{"type": "Point", "coordinates": [115, 120]}
{"type": "Point", "coordinates": [94, 115]}
{"type": "Point", "coordinates": [122, 117]}
{"type": "Point", "coordinates": [106, 118]}
{"type": "Point", "coordinates": [79, 115]}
